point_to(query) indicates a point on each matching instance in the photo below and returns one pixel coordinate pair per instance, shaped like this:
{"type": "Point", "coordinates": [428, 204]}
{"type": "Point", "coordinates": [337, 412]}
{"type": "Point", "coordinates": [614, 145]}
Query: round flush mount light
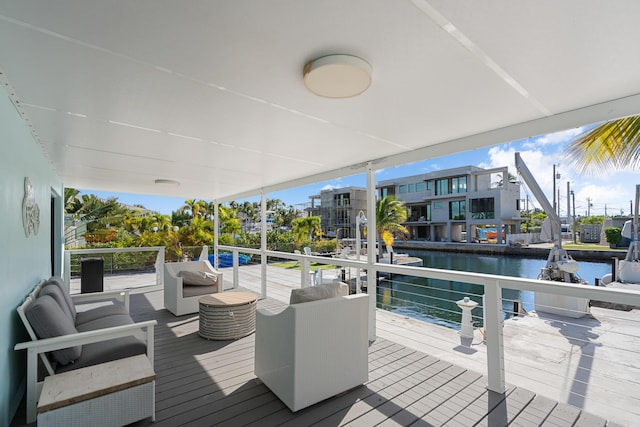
{"type": "Point", "coordinates": [167, 182]}
{"type": "Point", "coordinates": [337, 76]}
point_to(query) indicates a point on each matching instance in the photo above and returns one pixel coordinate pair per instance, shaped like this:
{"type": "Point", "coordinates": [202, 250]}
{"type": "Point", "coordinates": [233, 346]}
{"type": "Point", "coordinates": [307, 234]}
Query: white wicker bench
{"type": "Point", "coordinates": [109, 394]}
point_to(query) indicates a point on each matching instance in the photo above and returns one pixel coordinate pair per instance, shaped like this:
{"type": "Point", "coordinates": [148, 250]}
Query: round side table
{"type": "Point", "coordinates": [227, 315]}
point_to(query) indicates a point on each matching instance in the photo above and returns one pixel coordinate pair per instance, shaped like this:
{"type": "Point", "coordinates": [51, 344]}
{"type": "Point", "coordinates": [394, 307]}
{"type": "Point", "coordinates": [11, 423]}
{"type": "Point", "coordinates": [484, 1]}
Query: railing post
{"type": "Point", "coordinates": [236, 263]}
{"type": "Point", "coordinates": [67, 269]}
{"type": "Point", "coordinates": [304, 272]}
{"type": "Point", "coordinates": [160, 266]}
{"type": "Point", "coordinates": [493, 330]}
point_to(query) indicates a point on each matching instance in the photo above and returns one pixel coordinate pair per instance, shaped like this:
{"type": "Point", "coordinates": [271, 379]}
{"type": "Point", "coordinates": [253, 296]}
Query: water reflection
{"type": "Point", "coordinates": [434, 300]}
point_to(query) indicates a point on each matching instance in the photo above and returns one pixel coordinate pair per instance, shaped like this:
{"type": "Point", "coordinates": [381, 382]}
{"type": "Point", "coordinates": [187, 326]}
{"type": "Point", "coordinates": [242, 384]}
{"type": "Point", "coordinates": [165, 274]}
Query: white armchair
{"type": "Point", "coordinates": [313, 350]}
{"type": "Point", "coordinates": [182, 298]}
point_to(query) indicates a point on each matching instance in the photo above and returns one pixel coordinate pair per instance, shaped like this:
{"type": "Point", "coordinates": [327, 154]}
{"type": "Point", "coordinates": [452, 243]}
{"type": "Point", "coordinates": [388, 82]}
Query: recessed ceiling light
{"type": "Point", "coordinates": [337, 76]}
{"type": "Point", "coordinates": [167, 182]}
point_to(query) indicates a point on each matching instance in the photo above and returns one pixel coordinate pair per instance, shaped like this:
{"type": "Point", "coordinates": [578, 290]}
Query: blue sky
{"type": "Point", "coordinates": [613, 191]}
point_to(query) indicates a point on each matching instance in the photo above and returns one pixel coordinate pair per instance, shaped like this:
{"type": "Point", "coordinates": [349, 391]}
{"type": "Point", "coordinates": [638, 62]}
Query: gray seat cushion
{"type": "Point", "coordinates": [314, 293]}
{"type": "Point", "coordinates": [49, 320]}
{"type": "Point", "coordinates": [106, 351]}
{"type": "Point", "coordinates": [192, 291]}
{"type": "Point", "coordinates": [83, 317]}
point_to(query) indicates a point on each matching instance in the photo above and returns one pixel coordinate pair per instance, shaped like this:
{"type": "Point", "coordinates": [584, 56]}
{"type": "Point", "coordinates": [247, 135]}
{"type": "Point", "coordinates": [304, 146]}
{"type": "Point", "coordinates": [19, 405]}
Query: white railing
{"type": "Point", "coordinates": [159, 262]}
{"type": "Point", "coordinates": [493, 285]}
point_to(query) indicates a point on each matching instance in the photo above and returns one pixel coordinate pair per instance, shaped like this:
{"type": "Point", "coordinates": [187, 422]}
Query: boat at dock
{"type": "Point", "coordinates": [626, 272]}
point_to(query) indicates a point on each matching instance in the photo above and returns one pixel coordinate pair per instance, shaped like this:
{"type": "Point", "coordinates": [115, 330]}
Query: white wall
{"type": "Point", "coordinates": [23, 260]}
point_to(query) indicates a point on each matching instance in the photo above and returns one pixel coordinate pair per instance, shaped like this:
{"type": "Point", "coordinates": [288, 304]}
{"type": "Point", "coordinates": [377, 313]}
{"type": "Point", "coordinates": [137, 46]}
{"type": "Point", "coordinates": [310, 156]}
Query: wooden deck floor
{"type": "Point", "coordinates": [206, 383]}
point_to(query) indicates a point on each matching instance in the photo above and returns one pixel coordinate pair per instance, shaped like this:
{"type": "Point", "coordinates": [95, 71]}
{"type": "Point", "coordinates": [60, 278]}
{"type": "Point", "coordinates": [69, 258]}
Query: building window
{"type": "Point", "coordinates": [428, 211]}
{"type": "Point", "coordinates": [419, 187]}
{"type": "Point", "coordinates": [411, 188]}
{"type": "Point", "coordinates": [459, 184]}
{"type": "Point", "coordinates": [429, 185]}
{"type": "Point", "coordinates": [442, 187]}
{"type": "Point", "coordinates": [437, 205]}
{"type": "Point", "coordinates": [384, 192]}
{"type": "Point", "coordinates": [483, 208]}
{"type": "Point", "coordinates": [458, 209]}
{"type": "Point", "coordinates": [403, 189]}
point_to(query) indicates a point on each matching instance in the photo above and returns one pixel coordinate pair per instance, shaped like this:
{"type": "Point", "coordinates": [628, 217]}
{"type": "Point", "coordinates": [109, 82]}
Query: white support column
{"type": "Point", "coordinates": [160, 267]}
{"type": "Point", "coordinates": [304, 272]}
{"type": "Point", "coordinates": [216, 232]}
{"type": "Point", "coordinates": [236, 272]}
{"type": "Point", "coordinates": [263, 243]}
{"type": "Point", "coordinates": [67, 269]}
{"type": "Point", "coordinates": [493, 330]}
{"type": "Point", "coordinates": [372, 283]}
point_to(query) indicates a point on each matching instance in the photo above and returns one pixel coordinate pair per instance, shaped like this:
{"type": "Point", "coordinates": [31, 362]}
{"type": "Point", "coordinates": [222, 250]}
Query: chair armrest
{"type": "Point", "coordinates": [88, 337]}
{"type": "Point", "coordinates": [120, 295]}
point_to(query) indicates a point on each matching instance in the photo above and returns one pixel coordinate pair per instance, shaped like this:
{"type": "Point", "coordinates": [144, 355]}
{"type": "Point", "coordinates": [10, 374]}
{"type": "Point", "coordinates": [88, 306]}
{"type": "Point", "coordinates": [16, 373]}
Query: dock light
{"type": "Point", "coordinates": [360, 220]}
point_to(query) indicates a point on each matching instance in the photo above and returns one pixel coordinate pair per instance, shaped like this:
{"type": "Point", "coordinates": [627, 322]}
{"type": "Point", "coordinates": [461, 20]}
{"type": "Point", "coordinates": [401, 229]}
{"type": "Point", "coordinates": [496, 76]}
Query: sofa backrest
{"type": "Point", "coordinates": [22, 309]}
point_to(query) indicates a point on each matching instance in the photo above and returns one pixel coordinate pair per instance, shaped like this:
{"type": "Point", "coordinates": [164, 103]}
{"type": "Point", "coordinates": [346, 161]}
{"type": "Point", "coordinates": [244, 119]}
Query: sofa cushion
{"type": "Point", "coordinates": [55, 280]}
{"type": "Point", "coordinates": [314, 293]}
{"type": "Point", "coordinates": [54, 292]}
{"type": "Point", "coordinates": [106, 351]}
{"type": "Point", "coordinates": [48, 320]}
{"type": "Point", "coordinates": [83, 317]}
{"type": "Point", "coordinates": [192, 291]}
{"type": "Point", "coordinates": [105, 322]}
{"type": "Point", "coordinates": [198, 278]}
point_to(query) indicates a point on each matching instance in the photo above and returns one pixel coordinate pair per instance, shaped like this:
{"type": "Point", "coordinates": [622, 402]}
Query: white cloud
{"type": "Point", "coordinates": [331, 187]}
{"type": "Point", "coordinates": [553, 139]}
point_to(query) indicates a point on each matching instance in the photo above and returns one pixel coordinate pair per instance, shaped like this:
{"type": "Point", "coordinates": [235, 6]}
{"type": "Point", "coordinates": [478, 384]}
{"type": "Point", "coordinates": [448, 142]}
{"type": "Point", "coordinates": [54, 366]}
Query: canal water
{"type": "Point", "coordinates": [434, 300]}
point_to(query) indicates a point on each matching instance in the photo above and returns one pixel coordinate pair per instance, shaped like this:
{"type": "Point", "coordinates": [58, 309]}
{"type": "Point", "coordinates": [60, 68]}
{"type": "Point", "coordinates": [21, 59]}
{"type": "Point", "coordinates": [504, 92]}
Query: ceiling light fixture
{"type": "Point", "coordinates": [167, 182]}
{"type": "Point", "coordinates": [337, 76]}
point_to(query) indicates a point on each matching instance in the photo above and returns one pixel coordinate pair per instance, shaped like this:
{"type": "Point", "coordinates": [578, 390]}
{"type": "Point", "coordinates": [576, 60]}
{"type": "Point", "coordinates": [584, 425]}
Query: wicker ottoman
{"type": "Point", "coordinates": [227, 315]}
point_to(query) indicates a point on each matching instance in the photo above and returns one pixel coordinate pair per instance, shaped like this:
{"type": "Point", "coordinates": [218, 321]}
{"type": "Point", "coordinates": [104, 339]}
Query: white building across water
{"type": "Point", "coordinates": [465, 204]}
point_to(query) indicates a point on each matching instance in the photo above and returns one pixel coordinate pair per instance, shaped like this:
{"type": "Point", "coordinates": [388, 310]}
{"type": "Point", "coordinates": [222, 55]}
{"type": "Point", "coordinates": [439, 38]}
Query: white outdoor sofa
{"type": "Point", "coordinates": [180, 294]}
{"type": "Point", "coordinates": [313, 350]}
{"type": "Point", "coordinates": [66, 339]}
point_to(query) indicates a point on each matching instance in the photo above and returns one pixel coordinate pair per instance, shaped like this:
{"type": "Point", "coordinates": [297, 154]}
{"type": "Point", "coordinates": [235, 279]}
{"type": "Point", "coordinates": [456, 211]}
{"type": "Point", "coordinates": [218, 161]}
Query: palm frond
{"type": "Point", "coordinates": [610, 146]}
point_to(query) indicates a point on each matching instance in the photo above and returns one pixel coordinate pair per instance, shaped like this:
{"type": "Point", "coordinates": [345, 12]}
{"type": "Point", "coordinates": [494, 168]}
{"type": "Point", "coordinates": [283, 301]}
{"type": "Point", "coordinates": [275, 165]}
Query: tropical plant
{"type": "Point", "coordinates": [610, 146]}
{"type": "Point", "coordinates": [390, 214]}
{"type": "Point", "coordinates": [306, 227]}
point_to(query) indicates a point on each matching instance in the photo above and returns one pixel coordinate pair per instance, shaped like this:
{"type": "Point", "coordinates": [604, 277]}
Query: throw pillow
{"type": "Point", "coordinates": [48, 320]}
{"type": "Point", "coordinates": [314, 293]}
{"type": "Point", "coordinates": [198, 278]}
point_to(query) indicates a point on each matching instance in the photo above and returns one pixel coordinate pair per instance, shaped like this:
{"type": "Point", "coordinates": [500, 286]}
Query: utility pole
{"type": "Point", "coordinates": [554, 188]}
{"type": "Point", "coordinates": [573, 197]}
{"type": "Point", "coordinates": [588, 206]}
{"type": "Point", "coordinates": [568, 201]}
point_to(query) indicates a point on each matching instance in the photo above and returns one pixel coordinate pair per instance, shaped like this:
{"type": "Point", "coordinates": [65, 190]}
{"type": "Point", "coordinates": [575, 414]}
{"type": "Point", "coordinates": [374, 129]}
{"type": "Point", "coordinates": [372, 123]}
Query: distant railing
{"type": "Point", "coordinates": [117, 261]}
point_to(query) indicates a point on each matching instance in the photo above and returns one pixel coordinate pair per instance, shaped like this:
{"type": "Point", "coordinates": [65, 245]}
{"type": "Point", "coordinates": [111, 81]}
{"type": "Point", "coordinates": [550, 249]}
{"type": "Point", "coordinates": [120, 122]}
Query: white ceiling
{"type": "Point", "coordinates": [210, 93]}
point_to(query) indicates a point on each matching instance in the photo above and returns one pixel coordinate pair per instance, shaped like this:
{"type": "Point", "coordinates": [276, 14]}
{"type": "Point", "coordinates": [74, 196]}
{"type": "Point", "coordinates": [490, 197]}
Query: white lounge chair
{"type": "Point", "coordinates": [313, 350]}
{"type": "Point", "coordinates": [180, 294]}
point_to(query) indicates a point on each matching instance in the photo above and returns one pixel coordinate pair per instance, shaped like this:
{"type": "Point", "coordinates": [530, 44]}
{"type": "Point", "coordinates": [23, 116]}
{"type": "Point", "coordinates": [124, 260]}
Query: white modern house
{"type": "Point", "coordinates": [338, 209]}
{"type": "Point", "coordinates": [450, 205]}
{"type": "Point", "coordinates": [227, 100]}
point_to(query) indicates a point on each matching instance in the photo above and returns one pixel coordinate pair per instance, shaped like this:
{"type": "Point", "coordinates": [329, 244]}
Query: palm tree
{"type": "Point", "coordinates": [390, 214]}
{"type": "Point", "coordinates": [610, 146]}
{"type": "Point", "coordinates": [306, 228]}
{"type": "Point", "coordinates": [194, 206]}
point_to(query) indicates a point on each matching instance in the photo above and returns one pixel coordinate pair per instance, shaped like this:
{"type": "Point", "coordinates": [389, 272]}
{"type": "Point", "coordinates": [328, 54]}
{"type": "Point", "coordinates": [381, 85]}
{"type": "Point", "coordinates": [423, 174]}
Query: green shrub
{"type": "Point", "coordinates": [613, 235]}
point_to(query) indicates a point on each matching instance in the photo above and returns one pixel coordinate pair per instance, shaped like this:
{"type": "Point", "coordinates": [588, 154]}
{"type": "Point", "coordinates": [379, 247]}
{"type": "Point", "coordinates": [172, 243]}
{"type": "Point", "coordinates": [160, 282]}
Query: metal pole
{"type": "Point", "coordinates": [554, 188]}
{"type": "Point", "coordinates": [573, 199]}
